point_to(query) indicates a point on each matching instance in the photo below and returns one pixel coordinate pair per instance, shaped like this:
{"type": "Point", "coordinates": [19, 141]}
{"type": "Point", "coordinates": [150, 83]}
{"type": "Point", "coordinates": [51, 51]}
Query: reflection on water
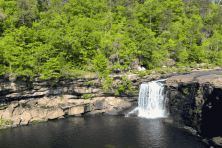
{"type": "Point", "coordinates": [99, 132]}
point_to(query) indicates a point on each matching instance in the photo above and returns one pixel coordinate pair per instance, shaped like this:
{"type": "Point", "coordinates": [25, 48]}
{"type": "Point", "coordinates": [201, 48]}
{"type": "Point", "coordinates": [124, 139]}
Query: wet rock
{"type": "Point", "coordinates": [95, 112]}
{"type": "Point", "coordinates": [133, 115]}
{"type": "Point", "coordinates": [167, 121]}
{"type": "Point", "coordinates": [112, 112]}
{"type": "Point", "coordinates": [217, 142]}
{"type": "Point", "coordinates": [61, 117]}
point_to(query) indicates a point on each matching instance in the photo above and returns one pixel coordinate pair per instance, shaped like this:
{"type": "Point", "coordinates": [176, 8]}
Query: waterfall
{"type": "Point", "coordinates": [151, 102]}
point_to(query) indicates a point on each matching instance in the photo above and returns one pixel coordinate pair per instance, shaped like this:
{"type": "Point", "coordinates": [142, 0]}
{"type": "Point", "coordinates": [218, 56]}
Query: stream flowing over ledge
{"type": "Point", "coordinates": [195, 100]}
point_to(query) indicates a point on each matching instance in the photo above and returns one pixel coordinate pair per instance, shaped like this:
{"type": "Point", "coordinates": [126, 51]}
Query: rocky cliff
{"type": "Point", "coordinates": [24, 102]}
{"type": "Point", "coordinates": [195, 100]}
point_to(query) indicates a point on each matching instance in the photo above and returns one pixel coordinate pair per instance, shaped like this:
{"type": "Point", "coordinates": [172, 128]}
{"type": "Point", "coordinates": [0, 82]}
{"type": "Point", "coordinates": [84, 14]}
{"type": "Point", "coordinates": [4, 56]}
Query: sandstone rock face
{"type": "Point", "coordinates": [39, 114]}
{"type": "Point", "coordinates": [69, 97]}
{"type": "Point", "coordinates": [43, 101]}
{"type": "Point", "coordinates": [13, 104]}
{"type": "Point", "coordinates": [117, 102]}
{"type": "Point", "coordinates": [76, 110]}
{"type": "Point", "coordinates": [52, 102]}
{"type": "Point", "coordinates": [7, 114]}
{"type": "Point", "coordinates": [16, 121]}
{"type": "Point", "coordinates": [25, 117]}
{"type": "Point", "coordinates": [1, 112]}
{"type": "Point", "coordinates": [32, 103]}
{"type": "Point", "coordinates": [18, 111]}
{"type": "Point", "coordinates": [34, 112]}
{"type": "Point", "coordinates": [55, 113]}
{"type": "Point", "coordinates": [195, 100]}
{"type": "Point", "coordinates": [184, 79]}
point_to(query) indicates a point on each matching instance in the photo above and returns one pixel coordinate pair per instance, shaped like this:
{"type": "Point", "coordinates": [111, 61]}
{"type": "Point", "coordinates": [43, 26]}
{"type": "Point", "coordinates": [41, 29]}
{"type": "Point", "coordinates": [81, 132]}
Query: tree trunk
{"type": "Point", "coordinates": [150, 21]}
{"type": "Point", "coordinates": [110, 13]}
{"type": "Point", "coordinates": [217, 48]}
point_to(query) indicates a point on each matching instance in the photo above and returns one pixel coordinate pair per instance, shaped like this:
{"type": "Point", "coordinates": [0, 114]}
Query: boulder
{"type": "Point", "coordinates": [55, 113]}
{"type": "Point", "coordinates": [217, 141]}
{"type": "Point", "coordinates": [201, 64]}
{"type": "Point", "coordinates": [76, 110]}
{"type": "Point", "coordinates": [170, 62]}
{"type": "Point", "coordinates": [167, 121]}
{"type": "Point", "coordinates": [139, 68]}
{"type": "Point", "coordinates": [133, 115]}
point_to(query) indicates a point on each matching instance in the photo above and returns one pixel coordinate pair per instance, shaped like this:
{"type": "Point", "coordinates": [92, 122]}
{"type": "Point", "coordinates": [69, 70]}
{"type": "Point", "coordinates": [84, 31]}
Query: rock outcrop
{"type": "Point", "coordinates": [195, 100]}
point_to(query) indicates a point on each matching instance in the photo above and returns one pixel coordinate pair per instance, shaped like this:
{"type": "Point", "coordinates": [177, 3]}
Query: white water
{"type": "Point", "coordinates": [152, 102]}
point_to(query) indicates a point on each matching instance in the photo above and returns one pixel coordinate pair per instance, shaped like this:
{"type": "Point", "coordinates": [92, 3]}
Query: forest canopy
{"type": "Point", "coordinates": [55, 38]}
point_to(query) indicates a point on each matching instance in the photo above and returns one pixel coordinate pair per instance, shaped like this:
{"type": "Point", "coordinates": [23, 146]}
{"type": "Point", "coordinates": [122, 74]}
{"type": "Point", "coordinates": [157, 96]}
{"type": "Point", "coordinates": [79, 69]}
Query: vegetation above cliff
{"type": "Point", "coordinates": [55, 38]}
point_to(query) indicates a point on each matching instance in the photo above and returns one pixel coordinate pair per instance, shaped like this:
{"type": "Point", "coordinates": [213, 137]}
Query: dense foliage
{"type": "Point", "coordinates": [55, 38]}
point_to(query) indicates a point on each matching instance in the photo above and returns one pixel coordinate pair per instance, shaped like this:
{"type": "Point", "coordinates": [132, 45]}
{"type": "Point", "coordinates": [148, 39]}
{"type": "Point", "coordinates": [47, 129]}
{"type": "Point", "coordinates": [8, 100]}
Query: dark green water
{"type": "Point", "coordinates": [100, 131]}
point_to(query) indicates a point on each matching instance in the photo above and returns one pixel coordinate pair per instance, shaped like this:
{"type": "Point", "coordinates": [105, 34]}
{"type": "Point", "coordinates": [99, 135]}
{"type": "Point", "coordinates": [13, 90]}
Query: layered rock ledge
{"type": "Point", "coordinates": [23, 102]}
{"type": "Point", "coordinates": [195, 100]}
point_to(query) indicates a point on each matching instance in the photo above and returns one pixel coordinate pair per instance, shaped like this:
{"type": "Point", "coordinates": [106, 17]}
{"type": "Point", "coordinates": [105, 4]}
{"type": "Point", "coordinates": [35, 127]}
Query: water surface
{"type": "Point", "coordinates": [99, 131]}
